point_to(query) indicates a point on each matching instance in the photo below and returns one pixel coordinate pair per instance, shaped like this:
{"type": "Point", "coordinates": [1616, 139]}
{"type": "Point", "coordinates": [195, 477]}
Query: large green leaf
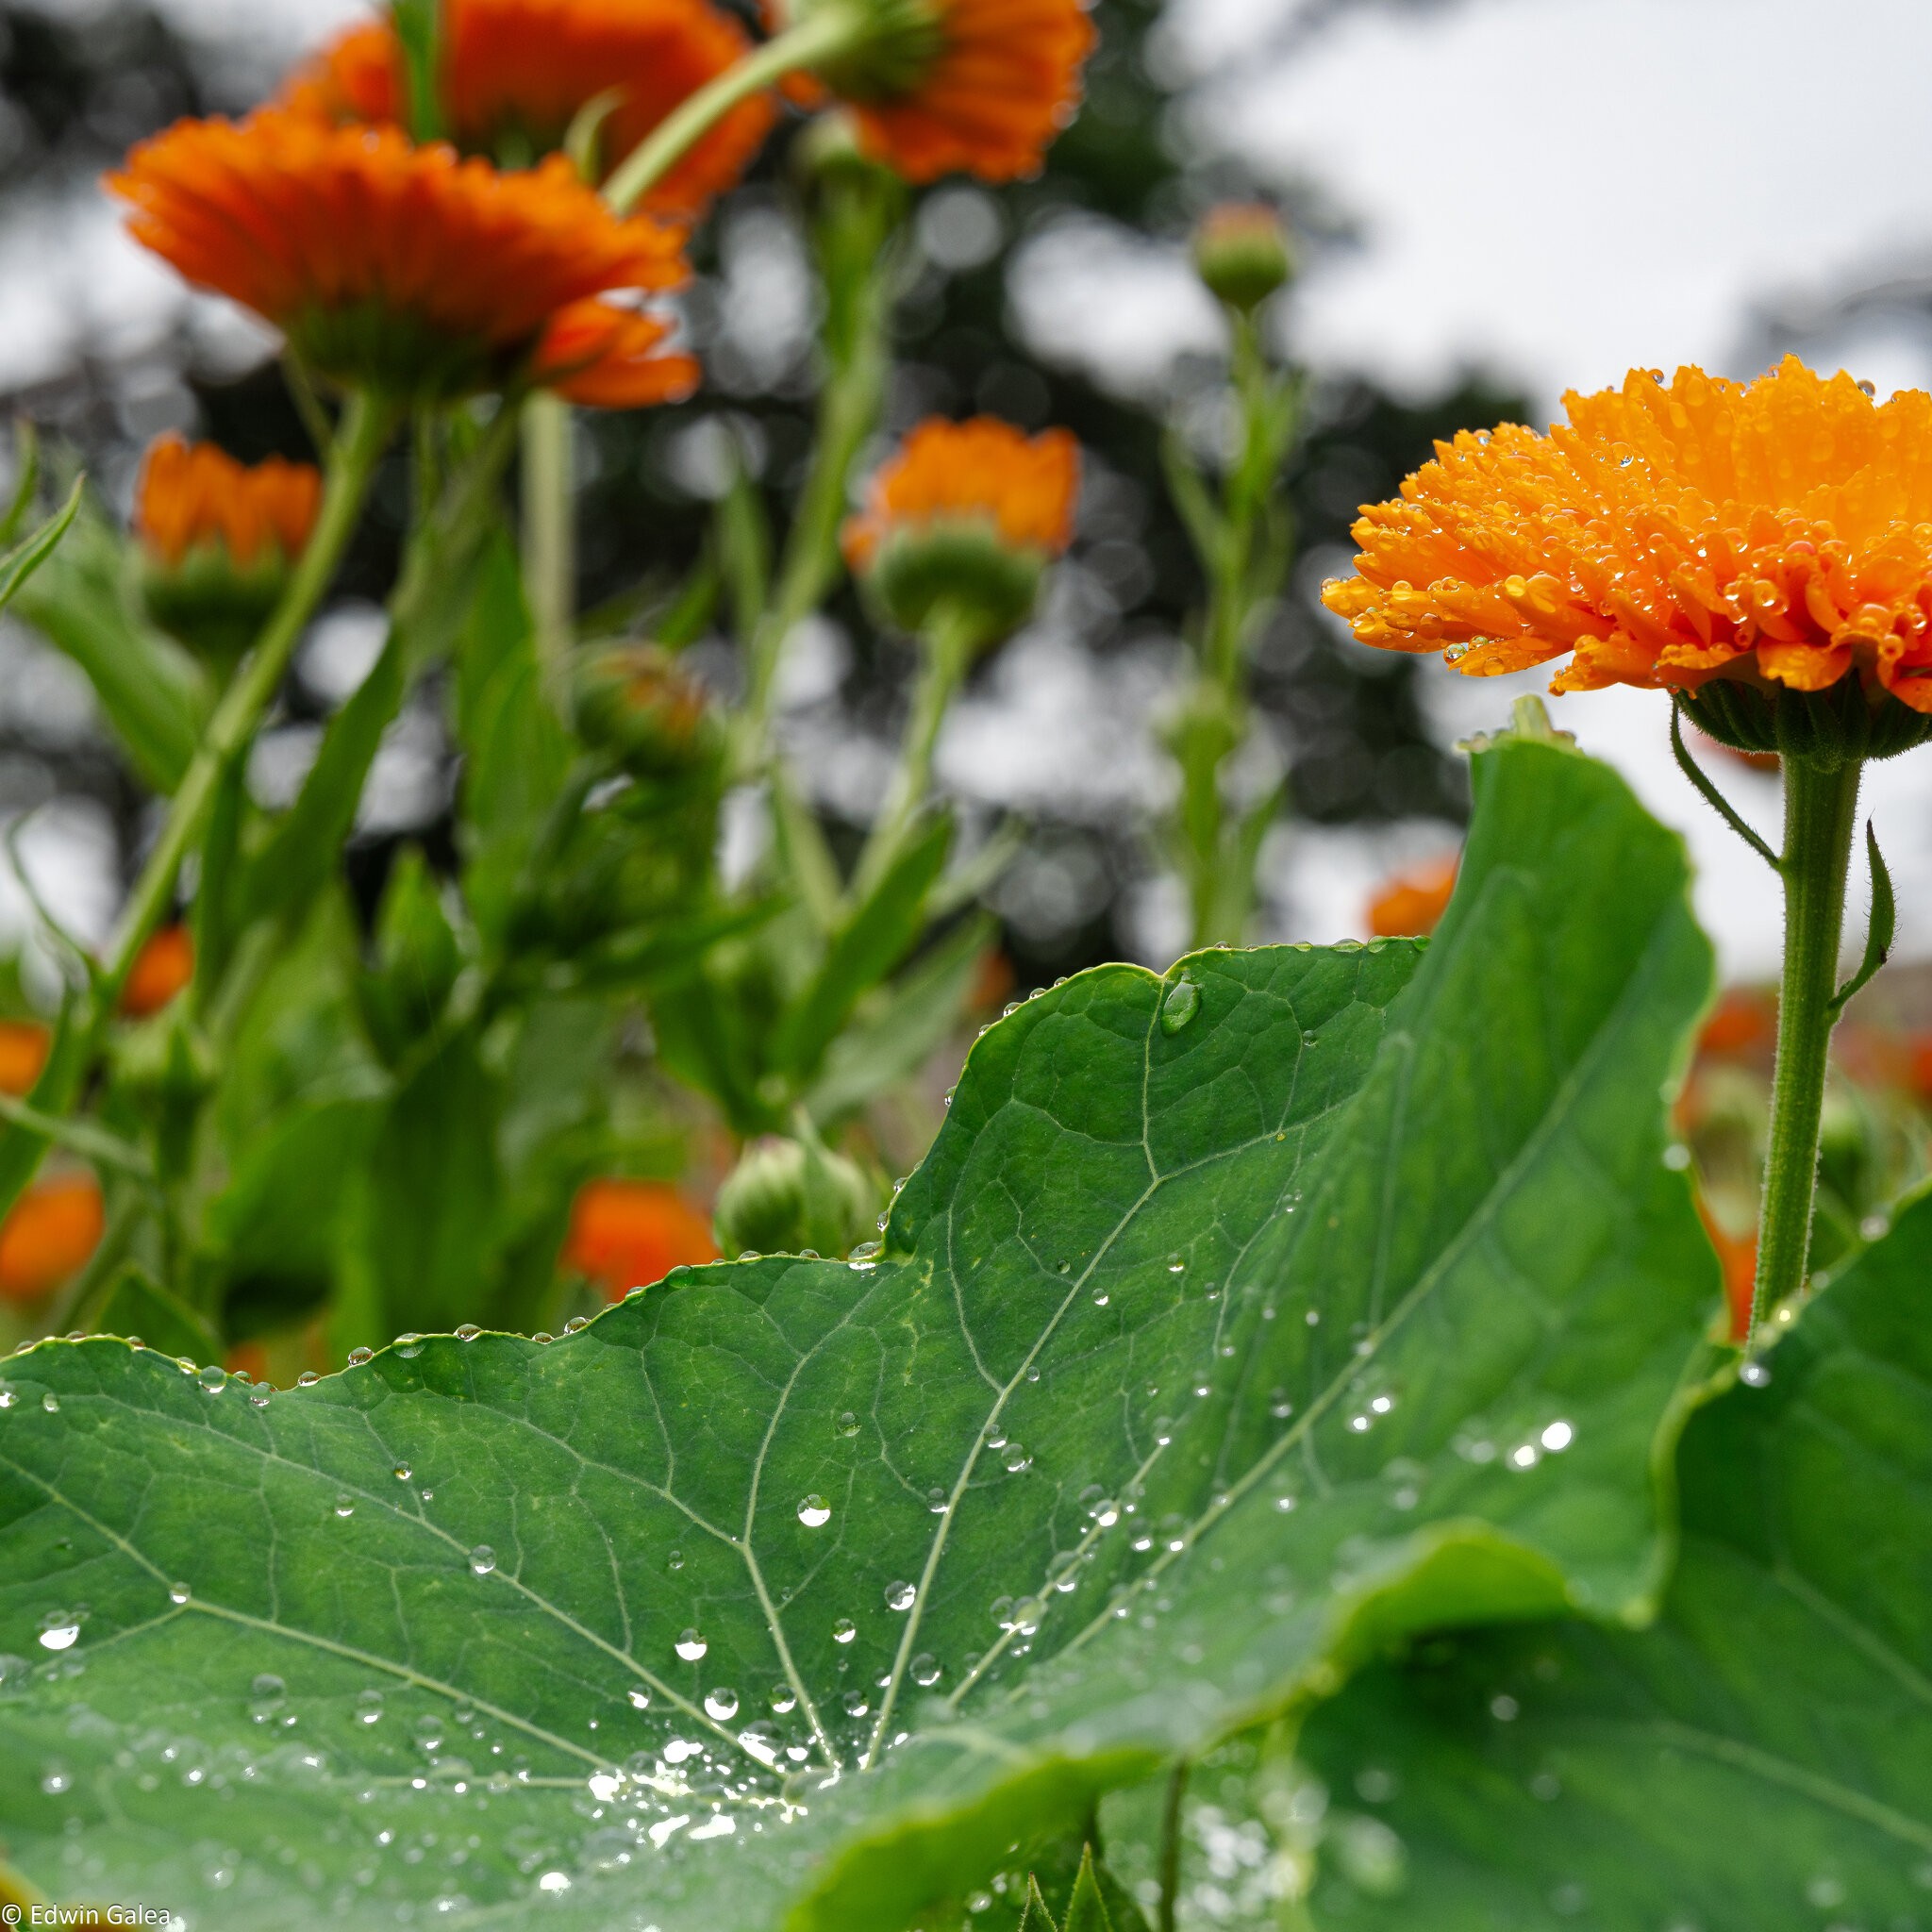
{"type": "Point", "coordinates": [1763, 1757]}
{"type": "Point", "coordinates": [1218, 1338]}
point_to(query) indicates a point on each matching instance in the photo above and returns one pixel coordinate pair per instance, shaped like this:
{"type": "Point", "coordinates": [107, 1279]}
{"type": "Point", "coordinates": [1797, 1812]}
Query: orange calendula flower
{"type": "Point", "coordinates": [976, 87]}
{"type": "Point", "coordinates": [1413, 903]}
{"type": "Point", "coordinates": [962, 524]}
{"type": "Point", "coordinates": [160, 970]}
{"type": "Point", "coordinates": [48, 1234]}
{"type": "Point", "coordinates": [1776, 532]}
{"type": "Point", "coordinates": [24, 1048]}
{"type": "Point", "coordinates": [192, 494]}
{"type": "Point", "coordinates": [516, 73]}
{"type": "Point", "coordinates": [627, 1234]}
{"type": "Point", "coordinates": [983, 471]}
{"type": "Point", "coordinates": [402, 268]}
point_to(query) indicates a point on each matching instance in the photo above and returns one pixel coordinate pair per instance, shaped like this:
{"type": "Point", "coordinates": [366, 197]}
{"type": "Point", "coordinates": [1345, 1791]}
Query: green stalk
{"type": "Point", "coordinates": [829, 31]}
{"type": "Point", "coordinates": [1820, 816]}
{"type": "Point", "coordinates": [365, 433]}
{"type": "Point", "coordinates": [549, 529]}
{"type": "Point", "coordinates": [945, 654]}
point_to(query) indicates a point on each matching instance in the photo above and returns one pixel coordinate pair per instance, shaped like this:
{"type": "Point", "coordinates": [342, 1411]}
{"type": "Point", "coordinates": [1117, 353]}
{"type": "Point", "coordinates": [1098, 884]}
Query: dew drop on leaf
{"type": "Point", "coordinates": [468, 1332]}
{"type": "Point", "coordinates": [482, 1559]}
{"type": "Point", "coordinates": [722, 1704]}
{"type": "Point", "coordinates": [814, 1512]}
{"type": "Point", "coordinates": [925, 1670]}
{"type": "Point", "coordinates": [213, 1378]}
{"type": "Point", "coordinates": [936, 1500]}
{"type": "Point", "coordinates": [783, 1700]}
{"type": "Point", "coordinates": [691, 1646]}
{"type": "Point", "coordinates": [1018, 1459]}
{"type": "Point", "coordinates": [844, 1630]}
{"type": "Point", "coordinates": [59, 1629]}
{"type": "Point", "coordinates": [409, 1346]}
{"type": "Point", "coordinates": [306, 1379]}
{"type": "Point", "coordinates": [900, 1596]}
{"type": "Point", "coordinates": [856, 1704]}
{"type": "Point", "coordinates": [639, 1700]}
{"type": "Point", "coordinates": [1180, 1006]}
{"type": "Point", "coordinates": [846, 1423]}
{"type": "Point", "coordinates": [403, 1472]}
{"type": "Point", "coordinates": [359, 1355]}
{"type": "Point", "coordinates": [178, 1592]}
{"type": "Point", "coordinates": [674, 1560]}
{"type": "Point", "coordinates": [51, 1403]}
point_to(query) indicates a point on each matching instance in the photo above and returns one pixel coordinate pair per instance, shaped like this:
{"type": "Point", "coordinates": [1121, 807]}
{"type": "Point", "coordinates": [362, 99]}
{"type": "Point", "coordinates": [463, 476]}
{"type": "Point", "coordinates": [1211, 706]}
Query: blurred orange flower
{"type": "Point", "coordinates": [516, 73]}
{"type": "Point", "coordinates": [625, 1234]}
{"type": "Point", "coordinates": [604, 357]}
{"type": "Point", "coordinates": [1410, 903]}
{"type": "Point", "coordinates": [402, 268]}
{"type": "Point", "coordinates": [160, 970]}
{"type": "Point", "coordinates": [24, 1048]}
{"type": "Point", "coordinates": [1738, 1256]}
{"type": "Point", "coordinates": [191, 494]}
{"type": "Point", "coordinates": [1780, 530]}
{"type": "Point", "coordinates": [1743, 1024]}
{"type": "Point", "coordinates": [977, 87]}
{"type": "Point", "coordinates": [50, 1232]}
{"type": "Point", "coordinates": [980, 472]}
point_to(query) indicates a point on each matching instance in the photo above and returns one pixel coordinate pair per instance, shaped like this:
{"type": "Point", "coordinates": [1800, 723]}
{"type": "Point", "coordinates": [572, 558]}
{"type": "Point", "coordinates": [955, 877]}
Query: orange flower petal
{"type": "Point", "coordinates": [602, 356]}
{"type": "Point", "coordinates": [195, 493]}
{"type": "Point", "coordinates": [24, 1048]}
{"type": "Point", "coordinates": [160, 970]}
{"type": "Point", "coordinates": [48, 1235]}
{"type": "Point", "coordinates": [521, 70]}
{"type": "Point", "coordinates": [1026, 485]}
{"type": "Point", "coordinates": [627, 1234]}
{"type": "Point", "coordinates": [1414, 902]}
{"type": "Point", "coordinates": [1669, 534]}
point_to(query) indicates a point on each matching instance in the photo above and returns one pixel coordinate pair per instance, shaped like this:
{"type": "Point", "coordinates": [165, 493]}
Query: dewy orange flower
{"type": "Point", "coordinates": [984, 471]}
{"type": "Point", "coordinates": [1777, 531]}
{"type": "Point", "coordinates": [979, 87]}
{"type": "Point", "coordinates": [516, 73]}
{"type": "Point", "coordinates": [194, 495]}
{"type": "Point", "coordinates": [401, 268]}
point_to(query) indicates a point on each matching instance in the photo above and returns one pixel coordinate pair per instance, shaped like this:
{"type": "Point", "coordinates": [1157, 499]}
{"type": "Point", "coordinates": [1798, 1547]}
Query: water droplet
{"type": "Point", "coordinates": [1285, 1504]}
{"type": "Point", "coordinates": [856, 1704]}
{"type": "Point", "coordinates": [1503, 1709]}
{"type": "Point", "coordinates": [258, 1396]}
{"type": "Point", "coordinates": [577, 1324]}
{"type": "Point", "coordinates": [369, 1708]}
{"type": "Point", "coordinates": [1754, 1375]}
{"type": "Point", "coordinates": [402, 1471]}
{"type": "Point", "coordinates": [306, 1379]}
{"type": "Point", "coordinates": [59, 1629]}
{"type": "Point", "coordinates": [9, 1395]}
{"type": "Point", "coordinates": [691, 1646]}
{"type": "Point", "coordinates": [1177, 1264]}
{"type": "Point", "coordinates": [178, 1592]}
{"type": "Point", "coordinates": [51, 1403]}
{"type": "Point", "coordinates": [542, 1335]}
{"type": "Point", "coordinates": [846, 1423]}
{"type": "Point", "coordinates": [925, 1670]}
{"type": "Point", "coordinates": [468, 1332]}
{"type": "Point", "coordinates": [1019, 1459]}
{"type": "Point", "coordinates": [1313, 1318]}
{"type": "Point", "coordinates": [1101, 1297]}
{"type": "Point", "coordinates": [213, 1378]}
{"type": "Point", "coordinates": [844, 1630]}
{"type": "Point", "coordinates": [814, 1512]}
{"type": "Point", "coordinates": [1163, 1431]}
{"type": "Point", "coordinates": [345, 1506]}
{"type": "Point", "coordinates": [674, 1560]}
{"type": "Point", "coordinates": [1558, 1437]}
{"type": "Point", "coordinates": [783, 1700]}
{"type": "Point", "coordinates": [722, 1704]}
{"type": "Point", "coordinates": [1279, 1406]}
{"type": "Point", "coordinates": [56, 1780]}
{"type": "Point", "coordinates": [936, 1500]}
{"type": "Point", "coordinates": [429, 1732]}
{"type": "Point", "coordinates": [1182, 1003]}
{"type": "Point", "coordinates": [409, 1346]}
{"type": "Point", "coordinates": [359, 1355]}
{"type": "Point", "coordinates": [266, 1696]}
{"type": "Point", "coordinates": [1100, 1505]}
{"type": "Point", "coordinates": [482, 1559]}
{"type": "Point", "coordinates": [900, 1596]}
{"type": "Point", "coordinates": [639, 1700]}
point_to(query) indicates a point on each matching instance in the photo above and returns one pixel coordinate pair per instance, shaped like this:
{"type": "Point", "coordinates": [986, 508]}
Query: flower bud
{"type": "Point", "coordinates": [784, 1196]}
{"type": "Point", "coordinates": [1241, 252]}
{"type": "Point", "coordinates": [636, 702]}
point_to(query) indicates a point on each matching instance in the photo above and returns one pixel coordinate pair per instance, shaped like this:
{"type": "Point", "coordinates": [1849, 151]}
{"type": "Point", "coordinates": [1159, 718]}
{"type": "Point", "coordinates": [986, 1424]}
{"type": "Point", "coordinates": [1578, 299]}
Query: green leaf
{"type": "Point", "coordinates": [1036, 1918]}
{"type": "Point", "coordinates": [1880, 932]}
{"type": "Point", "coordinates": [154, 696]}
{"type": "Point", "coordinates": [1759, 1758]}
{"type": "Point", "coordinates": [136, 1303]}
{"type": "Point", "coordinates": [1087, 1910]}
{"type": "Point", "coordinates": [21, 562]}
{"type": "Point", "coordinates": [26, 481]}
{"type": "Point", "coordinates": [953, 1519]}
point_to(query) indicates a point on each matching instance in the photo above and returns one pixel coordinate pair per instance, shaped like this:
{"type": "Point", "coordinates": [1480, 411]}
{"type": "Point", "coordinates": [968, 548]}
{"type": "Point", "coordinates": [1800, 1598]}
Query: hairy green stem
{"type": "Point", "coordinates": [549, 529]}
{"type": "Point", "coordinates": [1170, 1846]}
{"type": "Point", "coordinates": [945, 655]}
{"type": "Point", "coordinates": [829, 31]}
{"type": "Point", "coordinates": [1820, 816]}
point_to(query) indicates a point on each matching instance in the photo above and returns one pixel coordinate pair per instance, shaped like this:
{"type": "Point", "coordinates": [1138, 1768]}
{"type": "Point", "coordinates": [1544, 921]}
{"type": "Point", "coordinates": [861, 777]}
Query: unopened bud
{"type": "Point", "coordinates": [1241, 252]}
{"type": "Point", "coordinates": [636, 702]}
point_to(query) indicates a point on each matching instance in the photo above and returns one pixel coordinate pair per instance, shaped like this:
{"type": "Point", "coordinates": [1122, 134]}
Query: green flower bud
{"type": "Point", "coordinates": [1241, 252]}
{"type": "Point", "coordinates": [636, 702]}
{"type": "Point", "coordinates": [785, 1196]}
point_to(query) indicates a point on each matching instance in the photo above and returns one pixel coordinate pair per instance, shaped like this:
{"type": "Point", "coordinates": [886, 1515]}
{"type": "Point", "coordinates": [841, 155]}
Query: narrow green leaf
{"type": "Point", "coordinates": [1219, 1341]}
{"type": "Point", "coordinates": [1036, 1918]}
{"type": "Point", "coordinates": [1759, 1758]}
{"type": "Point", "coordinates": [1882, 928]}
{"type": "Point", "coordinates": [879, 933]}
{"type": "Point", "coordinates": [419, 31]}
{"type": "Point", "coordinates": [1087, 1910]}
{"type": "Point", "coordinates": [26, 480]}
{"type": "Point", "coordinates": [20, 563]}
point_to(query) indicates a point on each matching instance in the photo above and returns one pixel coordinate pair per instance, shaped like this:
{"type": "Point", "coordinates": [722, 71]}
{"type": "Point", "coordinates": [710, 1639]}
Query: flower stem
{"type": "Point", "coordinates": [1820, 815]}
{"type": "Point", "coordinates": [945, 652]}
{"type": "Point", "coordinates": [829, 31]}
{"type": "Point", "coordinates": [549, 530]}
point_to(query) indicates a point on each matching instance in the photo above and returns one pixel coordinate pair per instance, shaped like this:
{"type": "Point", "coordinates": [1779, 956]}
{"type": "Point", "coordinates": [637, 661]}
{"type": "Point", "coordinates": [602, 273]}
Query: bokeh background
{"type": "Point", "coordinates": [1495, 199]}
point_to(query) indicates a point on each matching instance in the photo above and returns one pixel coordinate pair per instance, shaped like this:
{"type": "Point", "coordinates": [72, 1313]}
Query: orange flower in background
{"type": "Point", "coordinates": [1778, 530]}
{"type": "Point", "coordinates": [1738, 1256]}
{"type": "Point", "coordinates": [48, 1235]}
{"type": "Point", "coordinates": [160, 970]}
{"type": "Point", "coordinates": [24, 1048]}
{"type": "Point", "coordinates": [1743, 1024]}
{"type": "Point", "coordinates": [604, 357]}
{"type": "Point", "coordinates": [516, 73]}
{"type": "Point", "coordinates": [398, 267]}
{"type": "Point", "coordinates": [628, 1234]}
{"type": "Point", "coordinates": [975, 87]}
{"type": "Point", "coordinates": [191, 494]}
{"type": "Point", "coordinates": [981, 471]}
{"type": "Point", "coordinates": [1413, 902]}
